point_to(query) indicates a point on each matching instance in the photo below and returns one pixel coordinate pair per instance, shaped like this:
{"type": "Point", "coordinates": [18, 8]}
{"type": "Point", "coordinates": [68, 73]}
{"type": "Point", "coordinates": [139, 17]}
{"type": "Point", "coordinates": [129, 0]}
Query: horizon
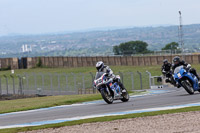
{"type": "Point", "coordinates": [50, 16]}
{"type": "Point", "coordinates": [112, 28]}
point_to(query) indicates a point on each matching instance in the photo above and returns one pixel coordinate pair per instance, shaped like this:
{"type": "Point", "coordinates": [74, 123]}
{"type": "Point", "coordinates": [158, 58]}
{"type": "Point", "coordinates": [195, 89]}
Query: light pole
{"type": "Point", "coordinates": [181, 35]}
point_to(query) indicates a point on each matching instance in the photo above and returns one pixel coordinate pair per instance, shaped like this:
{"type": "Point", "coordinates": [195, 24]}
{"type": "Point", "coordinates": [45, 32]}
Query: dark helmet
{"type": "Point", "coordinates": [176, 60]}
{"type": "Point", "coordinates": [99, 65]}
{"type": "Point", "coordinates": [165, 61]}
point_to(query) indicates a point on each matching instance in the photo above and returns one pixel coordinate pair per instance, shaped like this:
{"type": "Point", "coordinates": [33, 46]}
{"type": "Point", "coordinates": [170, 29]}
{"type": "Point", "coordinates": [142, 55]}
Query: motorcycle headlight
{"type": "Point", "coordinates": [99, 81]}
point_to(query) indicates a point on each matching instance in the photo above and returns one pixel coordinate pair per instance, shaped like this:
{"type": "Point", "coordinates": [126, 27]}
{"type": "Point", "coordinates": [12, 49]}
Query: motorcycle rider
{"type": "Point", "coordinates": [178, 62]}
{"type": "Point", "coordinates": [166, 67]}
{"type": "Point", "coordinates": [166, 71]}
{"type": "Point", "coordinates": [103, 68]}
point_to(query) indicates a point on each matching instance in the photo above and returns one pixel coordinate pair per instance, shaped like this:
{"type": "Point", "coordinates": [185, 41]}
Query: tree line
{"type": "Point", "coordinates": [139, 47]}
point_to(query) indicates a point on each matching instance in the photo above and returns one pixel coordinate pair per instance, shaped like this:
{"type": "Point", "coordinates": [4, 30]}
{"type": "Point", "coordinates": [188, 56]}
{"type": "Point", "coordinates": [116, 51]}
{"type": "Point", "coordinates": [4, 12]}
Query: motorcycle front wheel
{"type": "Point", "coordinates": [107, 98]}
{"type": "Point", "coordinates": [187, 86]}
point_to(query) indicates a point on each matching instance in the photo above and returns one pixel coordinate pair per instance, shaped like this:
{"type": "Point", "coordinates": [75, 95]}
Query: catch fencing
{"type": "Point", "coordinates": [66, 84]}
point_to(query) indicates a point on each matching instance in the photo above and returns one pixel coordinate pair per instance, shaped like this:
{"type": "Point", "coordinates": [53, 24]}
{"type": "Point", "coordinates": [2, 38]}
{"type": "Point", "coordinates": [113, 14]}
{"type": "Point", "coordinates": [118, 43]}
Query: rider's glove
{"type": "Point", "coordinates": [163, 71]}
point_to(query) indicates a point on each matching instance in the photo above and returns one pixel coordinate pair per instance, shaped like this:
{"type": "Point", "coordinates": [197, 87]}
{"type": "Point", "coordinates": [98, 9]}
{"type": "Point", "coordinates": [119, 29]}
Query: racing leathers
{"type": "Point", "coordinates": [187, 66]}
{"type": "Point", "coordinates": [166, 69]}
{"type": "Point", "coordinates": [107, 70]}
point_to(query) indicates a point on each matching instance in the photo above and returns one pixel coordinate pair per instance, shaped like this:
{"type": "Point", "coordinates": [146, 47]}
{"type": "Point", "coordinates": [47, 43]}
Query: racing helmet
{"type": "Point", "coordinates": [99, 65]}
{"type": "Point", "coordinates": [176, 60]}
{"type": "Point", "coordinates": [165, 61]}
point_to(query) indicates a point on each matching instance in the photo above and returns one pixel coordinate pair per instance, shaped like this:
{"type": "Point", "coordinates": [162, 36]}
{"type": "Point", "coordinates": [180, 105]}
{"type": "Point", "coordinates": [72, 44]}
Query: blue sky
{"type": "Point", "coordinates": [44, 16]}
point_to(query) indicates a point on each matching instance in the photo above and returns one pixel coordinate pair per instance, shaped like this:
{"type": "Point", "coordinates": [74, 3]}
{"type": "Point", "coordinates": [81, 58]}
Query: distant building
{"type": "Point", "coordinates": [26, 48]}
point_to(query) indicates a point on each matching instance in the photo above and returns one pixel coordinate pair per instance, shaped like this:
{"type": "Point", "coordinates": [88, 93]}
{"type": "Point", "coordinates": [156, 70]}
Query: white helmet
{"type": "Point", "coordinates": [99, 65]}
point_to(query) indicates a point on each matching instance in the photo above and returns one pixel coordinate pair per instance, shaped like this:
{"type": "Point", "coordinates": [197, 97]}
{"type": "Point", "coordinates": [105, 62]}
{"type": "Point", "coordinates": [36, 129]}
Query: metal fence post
{"type": "Point", "coordinates": [149, 78]}
{"type": "Point", "coordinates": [140, 79]}
{"type": "Point", "coordinates": [153, 81]}
{"type": "Point", "coordinates": [0, 87]}
{"type": "Point", "coordinates": [20, 85]}
{"type": "Point", "coordinates": [122, 76]}
{"type": "Point", "coordinates": [83, 83]}
{"type": "Point", "coordinates": [27, 82]}
{"type": "Point", "coordinates": [6, 83]}
{"type": "Point", "coordinates": [58, 79]}
{"type": "Point", "coordinates": [66, 80]}
{"type": "Point", "coordinates": [75, 88]}
{"type": "Point", "coordinates": [94, 89]}
{"type": "Point", "coordinates": [13, 83]}
{"type": "Point", "coordinates": [35, 80]}
{"type": "Point", "coordinates": [51, 80]}
{"type": "Point", "coordinates": [132, 80]}
{"type": "Point", "coordinates": [42, 81]}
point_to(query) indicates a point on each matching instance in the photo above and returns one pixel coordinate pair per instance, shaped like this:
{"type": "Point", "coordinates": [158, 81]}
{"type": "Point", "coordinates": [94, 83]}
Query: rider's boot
{"type": "Point", "coordinates": [122, 87]}
{"type": "Point", "coordinates": [167, 81]}
{"type": "Point", "coordinates": [178, 86]}
{"type": "Point", "coordinates": [193, 71]}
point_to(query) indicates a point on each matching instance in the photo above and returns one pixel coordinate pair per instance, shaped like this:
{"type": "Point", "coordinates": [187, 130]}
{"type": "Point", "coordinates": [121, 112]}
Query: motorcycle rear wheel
{"type": "Point", "coordinates": [125, 96]}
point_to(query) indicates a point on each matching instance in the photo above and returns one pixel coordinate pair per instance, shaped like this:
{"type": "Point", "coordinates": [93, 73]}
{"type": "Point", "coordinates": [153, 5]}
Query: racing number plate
{"type": "Point", "coordinates": [179, 75]}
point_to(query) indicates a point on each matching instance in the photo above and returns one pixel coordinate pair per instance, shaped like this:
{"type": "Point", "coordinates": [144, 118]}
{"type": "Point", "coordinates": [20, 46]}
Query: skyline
{"type": "Point", "coordinates": [51, 16]}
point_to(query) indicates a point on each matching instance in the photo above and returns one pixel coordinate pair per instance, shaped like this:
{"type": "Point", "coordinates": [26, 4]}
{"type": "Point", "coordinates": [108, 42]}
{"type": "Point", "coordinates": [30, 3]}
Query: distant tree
{"type": "Point", "coordinates": [131, 47]}
{"type": "Point", "coordinates": [116, 50]}
{"type": "Point", "coordinates": [39, 62]}
{"type": "Point", "coordinates": [171, 46]}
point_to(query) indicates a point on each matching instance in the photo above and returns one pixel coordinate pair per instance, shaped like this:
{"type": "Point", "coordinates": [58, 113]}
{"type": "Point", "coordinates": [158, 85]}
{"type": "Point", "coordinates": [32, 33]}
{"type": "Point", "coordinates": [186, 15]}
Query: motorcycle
{"type": "Point", "coordinates": [186, 79]}
{"type": "Point", "coordinates": [110, 89]}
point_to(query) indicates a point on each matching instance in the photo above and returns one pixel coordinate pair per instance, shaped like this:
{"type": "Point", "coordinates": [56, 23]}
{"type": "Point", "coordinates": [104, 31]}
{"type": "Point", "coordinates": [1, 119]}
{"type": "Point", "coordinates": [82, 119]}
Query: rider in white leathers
{"type": "Point", "coordinates": [103, 68]}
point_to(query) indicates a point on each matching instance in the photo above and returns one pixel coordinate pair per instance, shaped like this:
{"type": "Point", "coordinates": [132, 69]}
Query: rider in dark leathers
{"type": "Point", "coordinates": [167, 72]}
{"type": "Point", "coordinates": [178, 62]}
{"type": "Point", "coordinates": [166, 67]}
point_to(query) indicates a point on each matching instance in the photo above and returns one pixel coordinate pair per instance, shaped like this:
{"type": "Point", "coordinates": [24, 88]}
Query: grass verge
{"type": "Point", "coordinates": [100, 119]}
{"type": "Point", "coordinates": [49, 101]}
{"type": "Point", "coordinates": [43, 102]}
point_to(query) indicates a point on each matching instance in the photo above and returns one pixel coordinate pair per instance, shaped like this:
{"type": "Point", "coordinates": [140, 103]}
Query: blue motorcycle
{"type": "Point", "coordinates": [110, 89]}
{"type": "Point", "coordinates": [186, 79]}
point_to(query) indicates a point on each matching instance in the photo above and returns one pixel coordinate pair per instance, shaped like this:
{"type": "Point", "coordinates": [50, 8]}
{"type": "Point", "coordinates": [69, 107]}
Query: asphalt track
{"type": "Point", "coordinates": [156, 98]}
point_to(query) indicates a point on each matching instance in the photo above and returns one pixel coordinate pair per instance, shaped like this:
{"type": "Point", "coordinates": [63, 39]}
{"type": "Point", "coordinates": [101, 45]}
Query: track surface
{"type": "Point", "coordinates": [172, 96]}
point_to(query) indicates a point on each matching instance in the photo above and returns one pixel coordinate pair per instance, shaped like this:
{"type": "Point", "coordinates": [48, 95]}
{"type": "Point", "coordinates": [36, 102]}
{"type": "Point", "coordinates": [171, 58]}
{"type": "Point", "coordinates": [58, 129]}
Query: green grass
{"type": "Point", "coordinates": [42, 102]}
{"type": "Point", "coordinates": [100, 119]}
{"type": "Point", "coordinates": [155, 70]}
{"type": "Point", "coordinates": [49, 101]}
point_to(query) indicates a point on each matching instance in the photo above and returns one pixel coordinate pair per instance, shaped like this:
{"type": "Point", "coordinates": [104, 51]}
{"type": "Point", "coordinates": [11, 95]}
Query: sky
{"type": "Point", "coordinates": [49, 16]}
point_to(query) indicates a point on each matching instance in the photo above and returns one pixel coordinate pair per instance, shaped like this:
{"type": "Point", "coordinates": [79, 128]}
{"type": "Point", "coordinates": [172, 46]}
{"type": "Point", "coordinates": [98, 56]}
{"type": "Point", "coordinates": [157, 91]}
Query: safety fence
{"type": "Point", "coordinates": [66, 84]}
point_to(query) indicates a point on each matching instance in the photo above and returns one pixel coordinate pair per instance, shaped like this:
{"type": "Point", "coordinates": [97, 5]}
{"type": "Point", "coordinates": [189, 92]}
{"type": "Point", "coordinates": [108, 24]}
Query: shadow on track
{"type": "Point", "coordinates": [188, 94]}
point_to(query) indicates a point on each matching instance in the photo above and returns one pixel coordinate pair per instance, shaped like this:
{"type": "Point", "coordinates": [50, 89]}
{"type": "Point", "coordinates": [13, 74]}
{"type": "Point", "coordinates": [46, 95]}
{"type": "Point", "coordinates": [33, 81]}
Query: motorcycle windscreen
{"type": "Point", "coordinates": [177, 70]}
{"type": "Point", "coordinates": [99, 74]}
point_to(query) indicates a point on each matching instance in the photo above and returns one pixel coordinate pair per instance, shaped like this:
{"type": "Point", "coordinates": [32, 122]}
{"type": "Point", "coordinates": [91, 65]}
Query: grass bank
{"type": "Point", "coordinates": [42, 102]}
{"type": "Point", "coordinates": [48, 101]}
